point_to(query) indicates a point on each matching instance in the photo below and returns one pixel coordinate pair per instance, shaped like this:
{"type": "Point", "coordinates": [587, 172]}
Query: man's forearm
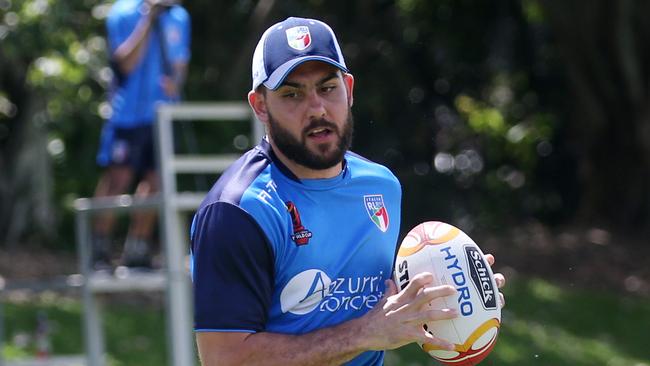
{"type": "Point", "coordinates": [327, 346]}
{"type": "Point", "coordinates": [129, 53]}
{"type": "Point", "coordinates": [395, 321]}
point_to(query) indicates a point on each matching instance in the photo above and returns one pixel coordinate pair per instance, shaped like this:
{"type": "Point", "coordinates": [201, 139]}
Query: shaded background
{"type": "Point", "coordinates": [490, 113]}
{"type": "Point", "coordinates": [525, 123]}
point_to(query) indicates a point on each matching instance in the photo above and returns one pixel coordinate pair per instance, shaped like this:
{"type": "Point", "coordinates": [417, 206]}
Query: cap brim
{"type": "Point", "coordinates": [277, 77]}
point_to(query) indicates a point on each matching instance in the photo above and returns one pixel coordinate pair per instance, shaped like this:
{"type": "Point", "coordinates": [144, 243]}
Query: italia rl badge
{"type": "Point", "coordinates": [376, 209]}
{"type": "Point", "coordinates": [298, 38]}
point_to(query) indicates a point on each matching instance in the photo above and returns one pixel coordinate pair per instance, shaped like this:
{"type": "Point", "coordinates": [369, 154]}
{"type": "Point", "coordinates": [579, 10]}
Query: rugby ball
{"type": "Point", "coordinates": [454, 259]}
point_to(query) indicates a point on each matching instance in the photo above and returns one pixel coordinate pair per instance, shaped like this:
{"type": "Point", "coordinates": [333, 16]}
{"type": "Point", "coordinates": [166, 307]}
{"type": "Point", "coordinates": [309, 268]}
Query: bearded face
{"type": "Point", "coordinates": [317, 156]}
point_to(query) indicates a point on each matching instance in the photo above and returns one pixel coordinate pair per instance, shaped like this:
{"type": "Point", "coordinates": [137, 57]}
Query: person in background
{"type": "Point", "coordinates": [149, 45]}
{"type": "Point", "coordinates": [293, 248]}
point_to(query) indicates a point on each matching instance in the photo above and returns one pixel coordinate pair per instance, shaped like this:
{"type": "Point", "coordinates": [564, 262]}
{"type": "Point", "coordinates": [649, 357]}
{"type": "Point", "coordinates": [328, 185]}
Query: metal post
{"type": "Point", "coordinates": [93, 335]}
{"type": "Point", "coordinates": [179, 312]}
{"type": "Point", "coordinates": [178, 295]}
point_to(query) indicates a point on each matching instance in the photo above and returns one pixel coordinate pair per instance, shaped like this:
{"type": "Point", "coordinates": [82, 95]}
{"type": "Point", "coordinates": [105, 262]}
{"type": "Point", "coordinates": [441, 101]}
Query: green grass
{"type": "Point", "coordinates": [543, 324]}
{"type": "Point", "coordinates": [546, 324]}
{"type": "Point", "coordinates": [135, 335]}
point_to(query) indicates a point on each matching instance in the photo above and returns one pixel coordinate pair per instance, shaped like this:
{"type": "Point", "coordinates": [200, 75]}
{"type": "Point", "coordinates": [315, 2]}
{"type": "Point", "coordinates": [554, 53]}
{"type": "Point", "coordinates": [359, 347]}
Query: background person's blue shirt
{"type": "Point", "coordinates": [134, 96]}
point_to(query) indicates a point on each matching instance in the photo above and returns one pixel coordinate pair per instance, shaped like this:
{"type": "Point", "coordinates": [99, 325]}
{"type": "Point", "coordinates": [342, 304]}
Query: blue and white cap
{"type": "Point", "coordinates": [289, 43]}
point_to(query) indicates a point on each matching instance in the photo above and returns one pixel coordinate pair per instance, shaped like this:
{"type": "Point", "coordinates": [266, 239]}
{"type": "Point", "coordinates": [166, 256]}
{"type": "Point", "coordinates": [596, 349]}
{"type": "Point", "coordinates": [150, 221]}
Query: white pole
{"type": "Point", "coordinates": [179, 312]}
{"type": "Point", "coordinates": [93, 334]}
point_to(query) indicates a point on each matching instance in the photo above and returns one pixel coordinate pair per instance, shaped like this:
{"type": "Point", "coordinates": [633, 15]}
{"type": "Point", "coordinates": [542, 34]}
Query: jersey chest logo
{"type": "Point", "coordinates": [300, 234]}
{"type": "Point", "coordinates": [376, 209]}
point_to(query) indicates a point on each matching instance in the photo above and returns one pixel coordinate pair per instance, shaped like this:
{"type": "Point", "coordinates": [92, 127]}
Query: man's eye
{"type": "Point", "coordinates": [327, 89]}
{"type": "Point", "coordinates": [290, 95]}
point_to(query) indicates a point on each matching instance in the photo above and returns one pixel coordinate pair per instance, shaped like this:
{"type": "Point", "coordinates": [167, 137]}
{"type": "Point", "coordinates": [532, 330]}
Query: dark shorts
{"type": "Point", "coordinates": [131, 147]}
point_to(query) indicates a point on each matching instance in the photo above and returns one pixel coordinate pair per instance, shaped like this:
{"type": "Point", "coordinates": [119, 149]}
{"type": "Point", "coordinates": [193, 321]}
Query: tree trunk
{"type": "Point", "coordinates": [25, 170]}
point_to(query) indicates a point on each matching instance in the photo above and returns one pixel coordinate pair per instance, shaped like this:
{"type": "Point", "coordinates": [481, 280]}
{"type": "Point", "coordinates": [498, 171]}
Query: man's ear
{"type": "Point", "coordinates": [348, 79]}
{"type": "Point", "coordinates": [257, 101]}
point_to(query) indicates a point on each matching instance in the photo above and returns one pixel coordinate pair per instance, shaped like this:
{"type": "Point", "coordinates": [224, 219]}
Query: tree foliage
{"type": "Point", "coordinates": [467, 102]}
{"type": "Point", "coordinates": [52, 77]}
{"type": "Point", "coordinates": [606, 52]}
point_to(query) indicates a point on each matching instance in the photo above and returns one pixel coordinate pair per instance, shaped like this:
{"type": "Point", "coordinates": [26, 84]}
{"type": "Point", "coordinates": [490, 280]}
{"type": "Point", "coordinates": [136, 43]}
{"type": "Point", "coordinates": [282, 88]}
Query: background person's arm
{"type": "Point", "coordinates": [172, 86]}
{"type": "Point", "coordinates": [130, 52]}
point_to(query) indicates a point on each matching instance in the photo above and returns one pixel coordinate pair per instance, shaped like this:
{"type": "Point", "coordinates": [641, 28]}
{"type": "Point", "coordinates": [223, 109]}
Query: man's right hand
{"type": "Point", "coordinates": [153, 8]}
{"type": "Point", "coordinates": [398, 319]}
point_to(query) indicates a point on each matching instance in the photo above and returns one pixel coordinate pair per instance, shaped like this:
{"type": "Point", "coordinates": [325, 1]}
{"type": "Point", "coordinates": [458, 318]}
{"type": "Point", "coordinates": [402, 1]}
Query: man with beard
{"type": "Point", "coordinates": [293, 248]}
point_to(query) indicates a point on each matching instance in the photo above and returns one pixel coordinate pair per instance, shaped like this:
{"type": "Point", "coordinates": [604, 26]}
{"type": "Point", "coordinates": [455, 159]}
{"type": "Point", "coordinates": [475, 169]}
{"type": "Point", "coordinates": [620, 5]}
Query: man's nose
{"type": "Point", "coordinates": [316, 105]}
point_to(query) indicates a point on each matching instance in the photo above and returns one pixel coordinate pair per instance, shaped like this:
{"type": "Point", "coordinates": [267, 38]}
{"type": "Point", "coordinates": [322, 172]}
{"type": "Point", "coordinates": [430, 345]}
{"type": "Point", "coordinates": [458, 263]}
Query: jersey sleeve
{"type": "Point", "coordinates": [177, 36]}
{"type": "Point", "coordinates": [117, 30]}
{"type": "Point", "coordinates": [232, 270]}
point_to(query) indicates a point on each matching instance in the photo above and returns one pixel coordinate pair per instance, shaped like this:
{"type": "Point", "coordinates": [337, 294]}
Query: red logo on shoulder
{"type": "Point", "coordinates": [300, 235]}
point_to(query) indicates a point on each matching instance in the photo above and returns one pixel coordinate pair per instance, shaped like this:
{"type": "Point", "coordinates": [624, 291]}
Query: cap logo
{"type": "Point", "coordinates": [298, 38]}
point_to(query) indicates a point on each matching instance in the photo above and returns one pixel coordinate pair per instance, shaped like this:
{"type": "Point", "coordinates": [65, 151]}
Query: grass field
{"type": "Point", "coordinates": [543, 324]}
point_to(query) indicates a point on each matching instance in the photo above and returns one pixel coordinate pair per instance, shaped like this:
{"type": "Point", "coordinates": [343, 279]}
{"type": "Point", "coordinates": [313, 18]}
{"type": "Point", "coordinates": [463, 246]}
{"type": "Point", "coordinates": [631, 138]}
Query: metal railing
{"type": "Point", "coordinates": [174, 234]}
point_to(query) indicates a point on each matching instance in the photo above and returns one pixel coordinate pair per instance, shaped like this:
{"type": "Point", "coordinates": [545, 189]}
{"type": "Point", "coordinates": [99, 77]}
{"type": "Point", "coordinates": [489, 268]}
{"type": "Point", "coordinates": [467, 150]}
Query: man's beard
{"type": "Point", "coordinates": [296, 149]}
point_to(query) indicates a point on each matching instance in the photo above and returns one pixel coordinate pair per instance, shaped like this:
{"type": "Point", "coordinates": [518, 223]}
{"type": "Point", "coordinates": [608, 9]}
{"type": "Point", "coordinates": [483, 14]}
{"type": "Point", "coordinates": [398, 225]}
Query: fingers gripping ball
{"type": "Point", "coordinates": [454, 259]}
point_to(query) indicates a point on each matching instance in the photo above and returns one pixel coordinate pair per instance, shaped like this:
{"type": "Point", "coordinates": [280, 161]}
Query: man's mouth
{"type": "Point", "coordinates": [319, 132]}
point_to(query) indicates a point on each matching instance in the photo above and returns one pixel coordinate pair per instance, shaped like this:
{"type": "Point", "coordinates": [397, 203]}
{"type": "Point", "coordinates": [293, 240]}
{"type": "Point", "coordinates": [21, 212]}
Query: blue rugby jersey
{"type": "Point", "coordinates": [134, 97]}
{"type": "Point", "coordinates": [274, 253]}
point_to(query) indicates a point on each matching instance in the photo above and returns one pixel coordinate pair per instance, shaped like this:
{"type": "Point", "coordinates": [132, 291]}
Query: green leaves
{"type": "Point", "coordinates": [51, 83]}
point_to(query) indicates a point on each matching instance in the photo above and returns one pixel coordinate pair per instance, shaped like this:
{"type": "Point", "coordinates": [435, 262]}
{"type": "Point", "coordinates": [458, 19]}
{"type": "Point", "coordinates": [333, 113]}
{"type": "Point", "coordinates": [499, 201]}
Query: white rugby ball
{"type": "Point", "coordinates": [454, 259]}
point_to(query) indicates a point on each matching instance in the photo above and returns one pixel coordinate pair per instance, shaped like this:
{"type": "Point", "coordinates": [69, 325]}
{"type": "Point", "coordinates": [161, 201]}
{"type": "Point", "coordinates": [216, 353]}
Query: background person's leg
{"type": "Point", "coordinates": [137, 248]}
{"type": "Point", "coordinates": [115, 180]}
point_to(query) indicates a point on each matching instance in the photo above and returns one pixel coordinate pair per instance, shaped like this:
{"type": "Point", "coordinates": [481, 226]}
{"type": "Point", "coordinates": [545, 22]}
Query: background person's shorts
{"type": "Point", "coordinates": [127, 146]}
